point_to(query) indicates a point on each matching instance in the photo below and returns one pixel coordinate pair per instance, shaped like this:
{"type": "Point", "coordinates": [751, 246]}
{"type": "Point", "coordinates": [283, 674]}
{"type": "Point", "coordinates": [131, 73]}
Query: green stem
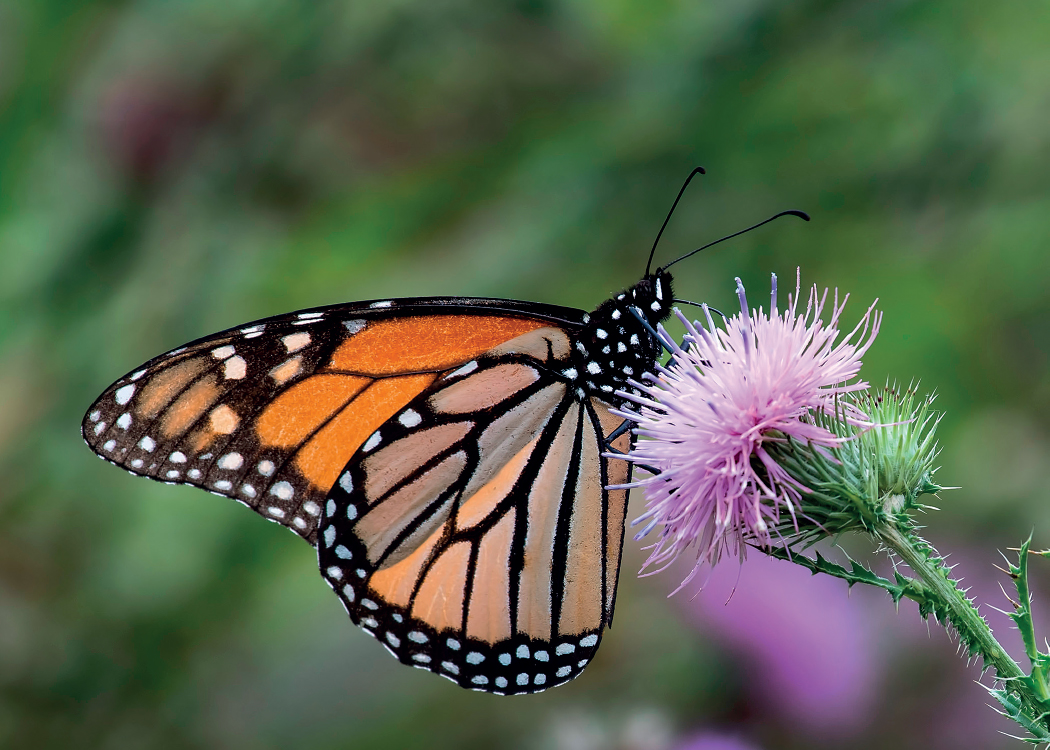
{"type": "Point", "coordinates": [961, 614]}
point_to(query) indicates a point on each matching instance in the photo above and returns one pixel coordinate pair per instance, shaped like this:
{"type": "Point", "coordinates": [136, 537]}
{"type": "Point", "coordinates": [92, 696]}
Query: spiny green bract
{"type": "Point", "coordinates": [877, 472]}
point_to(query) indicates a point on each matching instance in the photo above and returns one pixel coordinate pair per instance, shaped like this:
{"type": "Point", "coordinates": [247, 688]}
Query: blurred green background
{"type": "Point", "coordinates": [168, 169]}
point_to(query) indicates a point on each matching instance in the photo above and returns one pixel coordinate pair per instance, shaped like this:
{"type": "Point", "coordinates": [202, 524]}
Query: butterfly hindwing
{"type": "Point", "coordinates": [472, 534]}
{"type": "Point", "coordinates": [270, 412]}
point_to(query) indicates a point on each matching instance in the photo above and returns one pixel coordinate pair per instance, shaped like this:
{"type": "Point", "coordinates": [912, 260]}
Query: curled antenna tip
{"type": "Point", "coordinates": [800, 214]}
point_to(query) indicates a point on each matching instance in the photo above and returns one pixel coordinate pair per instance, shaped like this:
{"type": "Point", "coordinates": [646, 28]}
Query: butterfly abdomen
{"type": "Point", "coordinates": [614, 345]}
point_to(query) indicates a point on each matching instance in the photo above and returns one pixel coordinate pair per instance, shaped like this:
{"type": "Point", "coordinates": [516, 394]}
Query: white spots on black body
{"type": "Point", "coordinates": [342, 552]}
{"type": "Point", "coordinates": [298, 523]}
{"type": "Point", "coordinates": [248, 491]}
{"type": "Point", "coordinates": [223, 484]}
{"type": "Point", "coordinates": [276, 512]}
{"type": "Point", "coordinates": [136, 463]}
{"type": "Point", "coordinates": [410, 418]}
{"type": "Point", "coordinates": [110, 445]}
{"type": "Point", "coordinates": [335, 572]}
{"type": "Point", "coordinates": [385, 303]}
{"type": "Point", "coordinates": [329, 535]}
{"type": "Point", "coordinates": [450, 667]}
{"type": "Point", "coordinates": [361, 572]}
{"type": "Point", "coordinates": [147, 444]}
{"type": "Point", "coordinates": [194, 473]}
{"type": "Point", "coordinates": [570, 373]}
{"type": "Point", "coordinates": [634, 339]}
{"type": "Point", "coordinates": [231, 461]}
{"type": "Point", "coordinates": [504, 659]}
{"type": "Point", "coordinates": [369, 622]}
{"type": "Point", "coordinates": [330, 508]}
{"type": "Point", "coordinates": [601, 333]}
{"type": "Point", "coordinates": [282, 490]}
{"type": "Point", "coordinates": [541, 656]}
{"type": "Point", "coordinates": [416, 637]}
{"type": "Point", "coordinates": [522, 652]}
{"type": "Point", "coordinates": [266, 468]}
{"type": "Point", "coordinates": [369, 604]}
{"type": "Point", "coordinates": [421, 658]}
{"type": "Point", "coordinates": [453, 644]}
{"type": "Point", "coordinates": [501, 682]}
{"type": "Point", "coordinates": [293, 342]}
{"type": "Point", "coordinates": [346, 483]}
{"type": "Point", "coordinates": [655, 307]}
{"type": "Point", "coordinates": [124, 394]}
{"type": "Point", "coordinates": [393, 640]}
{"type": "Point", "coordinates": [539, 679]}
{"type": "Point", "coordinates": [594, 368]}
{"type": "Point", "coordinates": [312, 508]}
{"type": "Point", "coordinates": [628, 371]}
{"type": "Point", "coordinates": [522, 679]}
{"type": "Point", "coordinates": [564, 649]}
{"type": "Point", "coordinates": [475, 657]}
{"type": "Point", "coordinates": [95, 415]}
{"type": "Point", "coordinates": [605, 350]}
{"type": "Point", "coordinates": [589, 641]}
{"type": "Point", "coordinates": [349, 593]}
{"type": "Point", "coordinates": [124, 421]}
{"type": "Point", "coordinates": [99, 428]}
{"type": "Point", "coordinates": [351, 512]}
{"type": "Point", "coordinates": [564, 671]}
{"type": "Point", "coordinates": [173, 474]}
{"type": "Point", "coordinates": [354, 326]}
{"type": "Point", "coordinates": [480, 680]}
{"type": "Point", "coordinates": [223, 352]}
{"type": "Point", "coordinates": [178, 457]}
{"type": "Point", "coordinates": [615, 314]}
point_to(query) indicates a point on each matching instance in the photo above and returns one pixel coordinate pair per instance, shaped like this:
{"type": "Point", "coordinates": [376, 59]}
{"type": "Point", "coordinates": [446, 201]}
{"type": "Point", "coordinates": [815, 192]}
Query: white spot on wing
{"type": "Point", "coordinates": [293, 342]}
{"type": "Point", "coordinates": [178, 457]}
{"type": "Point", "coordinates": [266, 468]}
{"type": "Point", "coordinates": [273, 510]}
{"type": "Point", "coordinates": [231, 461]}
{"type": "Point", "coordinates": [124, 421]}
{"type": "Point", "coordinates": [346, 483]}
{"type": "Point", "coordinates": [382, 304]}
{"type": "Point", "coordinates": [312, 508]}
{"type": "Point", "coordinates": [354, 326]}
{"type": "Point", "coordinates": [329, 536]}
{"type": "Point", "coordinates": [224, 485]}
{"type": "Point", "coordinates": [95, 415]}
{"type": "Point", "coordinates": [247, 490]}
{"type": "Point", "coordinates": [342, 552]}
{"type": "Point", "coordinates": [335, 572]}
{"type": "Point", "coordinates": [110, 445]}
{"type": "Point", "coordinates": [124, 394]}
{"type": "Point", "coordinates": [147, 444]}
{"type": "Point", "coordinates": [410, 418]}
{"type": "Point", "coordinates": [468, 367]}
{"type": "Point", "coordinates": [372, 442]}
{"type": "Point", "coordinates": [223, 352]}
{"type": "Point", "coordinates": [282, 490]}
{"type": "Point", "coordinates": [100, 428]}
{"type": "Point", "coordinates": [235, 368]}
{"type": "Point", "coordinates": [588, 641]}
{"type": "Point", "coordinates": [194, 473]}
{"type": "Point", "coordinates": [309, 315]}
{"type": "Point", "coordinates": [139, 374]}
{"type": "Point", "coordinates": [137, 463]}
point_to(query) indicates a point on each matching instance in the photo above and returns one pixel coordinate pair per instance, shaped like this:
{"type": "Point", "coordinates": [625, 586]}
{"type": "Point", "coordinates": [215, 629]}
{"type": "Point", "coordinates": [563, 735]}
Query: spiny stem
{"type": "Point", "coordinates": [958, 612]}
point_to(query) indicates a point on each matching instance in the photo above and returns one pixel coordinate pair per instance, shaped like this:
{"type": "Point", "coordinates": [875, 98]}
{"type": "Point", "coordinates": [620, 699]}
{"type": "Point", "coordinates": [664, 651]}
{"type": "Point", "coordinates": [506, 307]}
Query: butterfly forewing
{"type": "Point", "coordinates": [270, 413]}
{"type": "Point", "coordinates": [472, 534]}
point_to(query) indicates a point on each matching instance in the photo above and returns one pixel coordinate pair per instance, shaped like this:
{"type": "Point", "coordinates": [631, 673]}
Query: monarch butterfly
{"type": "Point", "coordinates": [446, 456]}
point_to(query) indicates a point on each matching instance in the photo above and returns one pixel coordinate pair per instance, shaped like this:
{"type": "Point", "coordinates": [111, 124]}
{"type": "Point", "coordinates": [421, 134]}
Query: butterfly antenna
{"type": "Point", "coordinates": [715, 310]}
{"type": "Point", "coordinates": [694, 173]}
{"type": "Point", "coordinates": [800, 214]}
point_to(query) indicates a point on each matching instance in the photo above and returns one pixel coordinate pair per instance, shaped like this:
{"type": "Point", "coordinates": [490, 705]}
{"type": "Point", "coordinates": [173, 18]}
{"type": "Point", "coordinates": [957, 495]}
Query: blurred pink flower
{"type": "Point", "coordinates": [714, 741]}
{"type": "Point", "coordinates": [812, 651]}
{"type": "Point", "coordinates": [706, 418]}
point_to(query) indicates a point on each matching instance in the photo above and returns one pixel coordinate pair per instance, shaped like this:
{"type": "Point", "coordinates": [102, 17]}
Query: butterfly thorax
{"type": "Point", "coordinates": [614, 346]}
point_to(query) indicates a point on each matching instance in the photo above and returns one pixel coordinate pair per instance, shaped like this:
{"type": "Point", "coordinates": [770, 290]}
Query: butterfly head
{"type": "Point", "coordinates": [615, 345]}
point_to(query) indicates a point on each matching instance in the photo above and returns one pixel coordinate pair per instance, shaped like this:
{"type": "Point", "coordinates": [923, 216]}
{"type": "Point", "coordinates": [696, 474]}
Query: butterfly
{"type": "Point", "coordinates": [449, 458]}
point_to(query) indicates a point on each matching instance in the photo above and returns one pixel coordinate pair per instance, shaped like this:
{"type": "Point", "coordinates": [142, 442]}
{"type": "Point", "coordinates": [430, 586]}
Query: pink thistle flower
{"type": "Point", "coordinates": [706, 418]}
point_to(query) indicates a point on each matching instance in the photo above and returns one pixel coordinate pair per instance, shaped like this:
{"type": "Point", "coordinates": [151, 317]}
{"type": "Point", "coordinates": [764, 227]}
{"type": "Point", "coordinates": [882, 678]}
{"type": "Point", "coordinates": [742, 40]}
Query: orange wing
{"type": "Point", "coordinates": [472, 534]}
{"type": "Point", "coordinates": [270, 413]}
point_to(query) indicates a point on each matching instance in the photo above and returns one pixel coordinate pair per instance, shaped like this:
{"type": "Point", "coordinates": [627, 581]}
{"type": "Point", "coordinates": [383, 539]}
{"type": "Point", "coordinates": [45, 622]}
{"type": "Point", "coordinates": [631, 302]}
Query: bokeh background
{"type": "Point", "coordinates": [168, 169]}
